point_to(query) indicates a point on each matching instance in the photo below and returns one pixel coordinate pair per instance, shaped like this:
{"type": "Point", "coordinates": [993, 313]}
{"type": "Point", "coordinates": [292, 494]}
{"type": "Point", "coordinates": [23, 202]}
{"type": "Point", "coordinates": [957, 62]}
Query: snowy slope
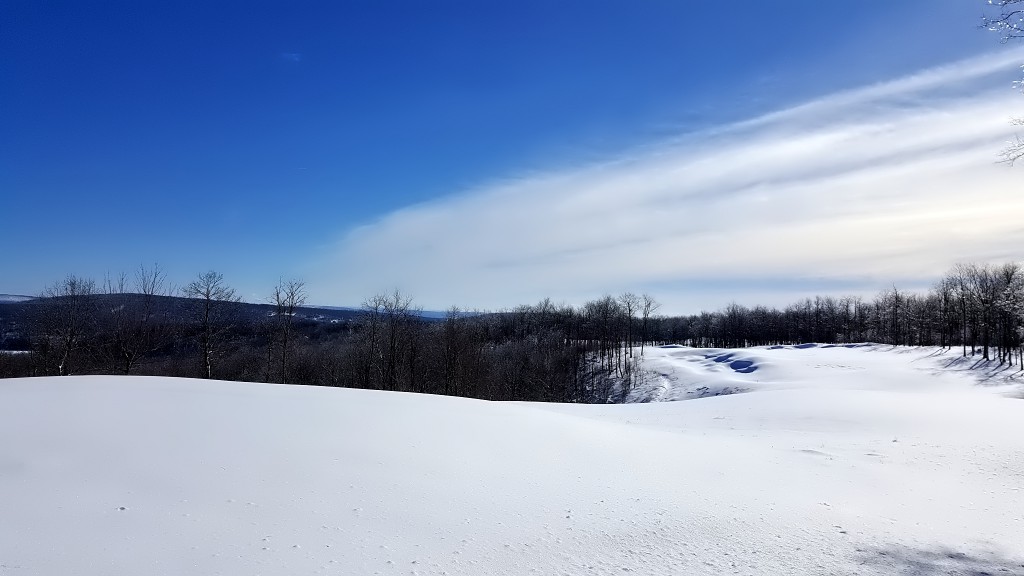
{"type": "Point", "coordinates": [9, 298]}
{"type": "Point", "coordinates": [820, 469]}
{"type": "Point", "coordinates": [682, 373]}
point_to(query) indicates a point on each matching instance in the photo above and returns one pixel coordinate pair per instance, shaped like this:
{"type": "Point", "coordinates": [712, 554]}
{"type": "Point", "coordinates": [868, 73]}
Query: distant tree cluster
{"type": "Point", "coordinates": [978, 307]}
{"type": "Point", "coordinates": [541, 352]}
{"type": "Point", "coordinates": [532, 353]}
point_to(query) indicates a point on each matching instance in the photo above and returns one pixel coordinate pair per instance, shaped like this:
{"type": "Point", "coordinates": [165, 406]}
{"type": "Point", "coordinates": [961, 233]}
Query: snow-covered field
{"type": "Point", "coordinates": [839, 460]}
{"type": "Point", "coordinates": [682, 373]}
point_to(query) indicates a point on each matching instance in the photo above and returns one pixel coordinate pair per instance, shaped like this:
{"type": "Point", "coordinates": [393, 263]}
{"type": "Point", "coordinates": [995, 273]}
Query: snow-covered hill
{"type": "Point", "coordinates": [838, 461]}
{"type": "Point", "coordinates": [9, 298]}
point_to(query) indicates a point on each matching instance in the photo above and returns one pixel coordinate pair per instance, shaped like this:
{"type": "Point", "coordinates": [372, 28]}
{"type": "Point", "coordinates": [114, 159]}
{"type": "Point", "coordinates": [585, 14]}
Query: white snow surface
{"type": "Point", "coordinates": [866, 460]}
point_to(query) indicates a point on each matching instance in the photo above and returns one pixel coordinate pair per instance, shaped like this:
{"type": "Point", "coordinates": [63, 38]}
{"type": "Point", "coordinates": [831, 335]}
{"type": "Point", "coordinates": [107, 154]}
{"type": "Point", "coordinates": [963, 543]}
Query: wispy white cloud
{"type": "Point", "coordinates": [895, 181]}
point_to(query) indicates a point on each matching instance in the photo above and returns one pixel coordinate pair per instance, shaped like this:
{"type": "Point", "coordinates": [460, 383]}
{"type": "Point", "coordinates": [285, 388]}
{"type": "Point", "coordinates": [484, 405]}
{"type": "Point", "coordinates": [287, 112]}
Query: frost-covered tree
{"type": "Point", "coordinates": [1006, 18]}
{"type": "Point", "coordinates": [1010, 304]}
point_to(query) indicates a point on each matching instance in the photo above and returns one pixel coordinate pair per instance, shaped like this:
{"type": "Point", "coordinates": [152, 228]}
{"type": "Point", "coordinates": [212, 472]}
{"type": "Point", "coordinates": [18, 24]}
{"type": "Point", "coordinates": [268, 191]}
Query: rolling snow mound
{"type": "Point", "coordinates": [835, 461]}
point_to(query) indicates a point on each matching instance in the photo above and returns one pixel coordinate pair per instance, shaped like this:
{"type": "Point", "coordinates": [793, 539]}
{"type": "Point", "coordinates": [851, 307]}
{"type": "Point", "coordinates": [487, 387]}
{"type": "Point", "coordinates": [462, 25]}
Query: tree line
{"type": "Point", "coordinates": [144, 326]}
{"type": "Point", "coordinates": [978, 308]}
{"type": "Point", "coordinates": [540, 352]}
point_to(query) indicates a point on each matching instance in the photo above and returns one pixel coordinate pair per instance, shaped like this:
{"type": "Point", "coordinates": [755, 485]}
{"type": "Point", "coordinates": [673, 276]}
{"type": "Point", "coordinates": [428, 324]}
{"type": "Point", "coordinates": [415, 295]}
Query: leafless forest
{"type": "Point", "coordinates": [141, 325]}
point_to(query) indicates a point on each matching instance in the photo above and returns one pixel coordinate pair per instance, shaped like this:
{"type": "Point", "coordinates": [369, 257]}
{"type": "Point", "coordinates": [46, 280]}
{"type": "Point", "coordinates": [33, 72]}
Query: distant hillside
{"type": "Point", "coordinates": [15, 298]}
{"type": "Point", "coordinates": [15, 312]}
{"type": "Point", "coordinates": [170, 303]}
{"type": "Point", "coordinates": [173, 304]}
{"type": "Point", "coordinates": [425, 314]}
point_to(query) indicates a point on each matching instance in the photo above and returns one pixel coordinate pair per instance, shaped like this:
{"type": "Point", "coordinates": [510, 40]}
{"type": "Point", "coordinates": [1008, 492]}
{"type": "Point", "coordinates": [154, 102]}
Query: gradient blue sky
{"type": "Point", "coordinates": [365, 145]}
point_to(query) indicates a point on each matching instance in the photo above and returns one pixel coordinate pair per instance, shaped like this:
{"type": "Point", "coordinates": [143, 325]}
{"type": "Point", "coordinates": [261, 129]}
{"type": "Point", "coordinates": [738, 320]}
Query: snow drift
{"type": "Point", "coordinates": [837, 461]}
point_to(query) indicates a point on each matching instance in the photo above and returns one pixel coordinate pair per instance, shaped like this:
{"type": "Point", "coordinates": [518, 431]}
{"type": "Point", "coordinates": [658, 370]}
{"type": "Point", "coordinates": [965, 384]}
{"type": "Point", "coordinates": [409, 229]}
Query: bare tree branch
{"type": "Point", "coordinates": [1008, 21]}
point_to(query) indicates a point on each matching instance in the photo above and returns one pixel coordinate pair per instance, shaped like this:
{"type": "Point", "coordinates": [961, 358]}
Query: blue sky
{"type": "Point", "coordinates": [487, 154]}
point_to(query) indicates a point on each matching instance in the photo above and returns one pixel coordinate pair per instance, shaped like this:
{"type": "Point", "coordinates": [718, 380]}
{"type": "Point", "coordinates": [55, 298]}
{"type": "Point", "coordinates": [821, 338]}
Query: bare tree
{"type": "Point", "coordinates": [1009, 283]}
{"type": "Point", "coordinates": [453, 349]}
{"type": "Point", "coordinates": [369, 347]}
{"type": "Point", "coordinates": [66, 314]}
{"type": "Point", "coordinates": [648, 306]}
{"type": "Point", "coordinates": [630, 305]}
{"type": "Point", "coordinates": [213, 303]}
{"type": "Point", "coordinates": [960, 278]}
{"type": "Point", "coordinates": [134, 329]}
{"type": "Point", "coordinates": [1007, 20]}
{"type": "Point", "coordinates": [397, 314]}
{"type": "Point", "coordinates": [383, 340]}
{"type": "Point", "coordinates": [287, 296]}
{"type": "Point", "coordinates": [1011, 303]}
{"type": "Point", "coordinates": [984, 287]}
{"type": "Point", "coordinates": [945, 290]}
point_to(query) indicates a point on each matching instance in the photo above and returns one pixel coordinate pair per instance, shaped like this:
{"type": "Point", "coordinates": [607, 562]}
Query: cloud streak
{"type": "Point", "coordinates": [895, 181]}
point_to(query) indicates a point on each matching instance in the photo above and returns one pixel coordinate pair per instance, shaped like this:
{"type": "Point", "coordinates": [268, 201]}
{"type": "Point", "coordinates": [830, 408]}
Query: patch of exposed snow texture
{"type": "Point", "coordinates": [676, 372]}
{"type": "Point", "coordinates": [864, 460]}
